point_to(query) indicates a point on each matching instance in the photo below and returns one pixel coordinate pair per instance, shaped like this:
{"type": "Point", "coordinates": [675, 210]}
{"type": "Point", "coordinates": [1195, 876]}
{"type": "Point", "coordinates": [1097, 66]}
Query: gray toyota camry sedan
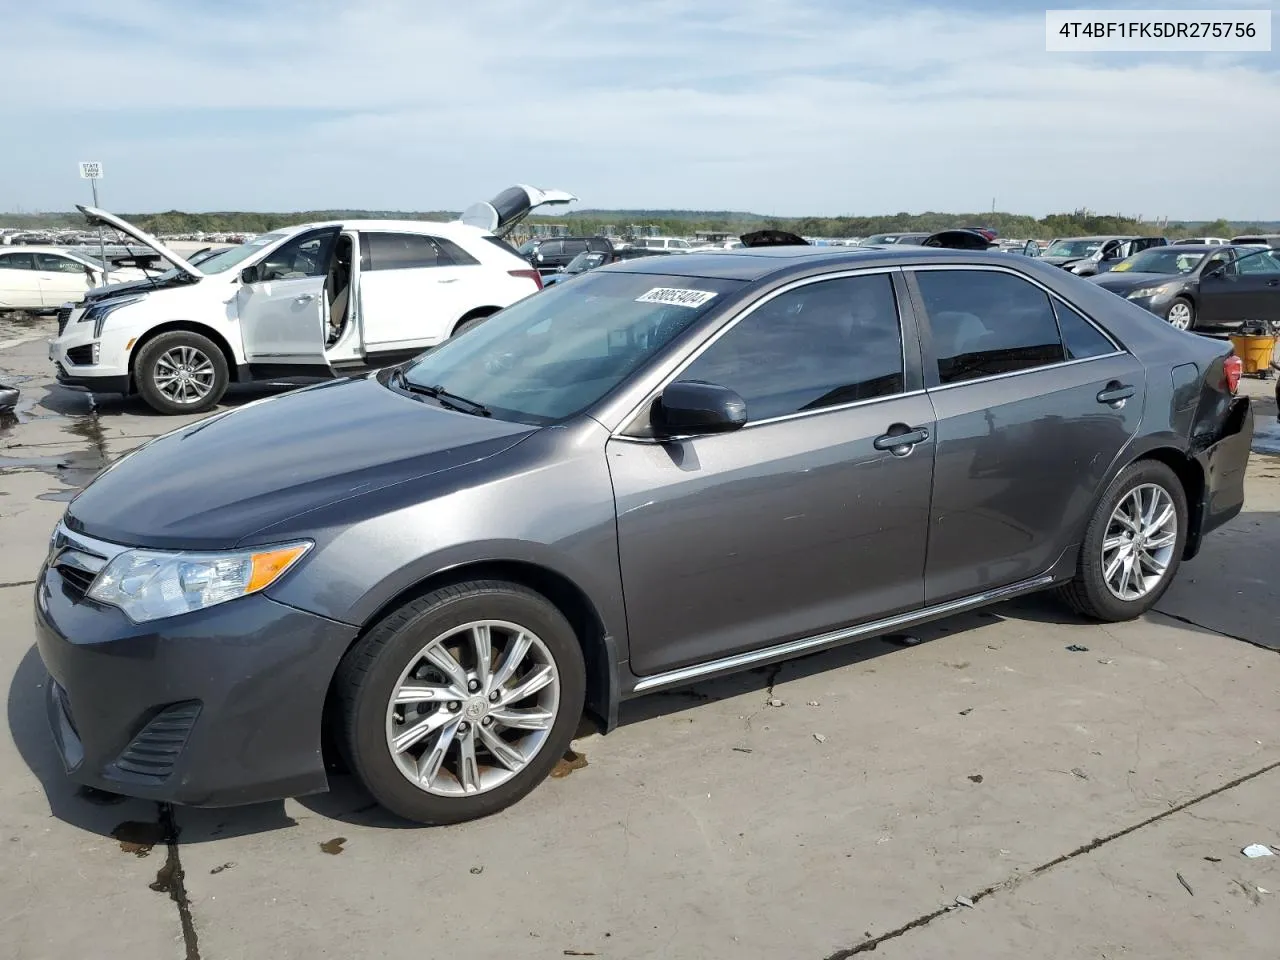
{"type": "Point", "coordinates": [659, 471]}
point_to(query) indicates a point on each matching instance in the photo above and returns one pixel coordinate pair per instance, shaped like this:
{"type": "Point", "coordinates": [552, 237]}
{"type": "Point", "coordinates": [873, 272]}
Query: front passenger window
{"type": "Point", "coordinates": [819, 345]}
{"type": "Point", "coordinates": [304, 256]}
{"type": "Point", "coordinates": [986, 323]}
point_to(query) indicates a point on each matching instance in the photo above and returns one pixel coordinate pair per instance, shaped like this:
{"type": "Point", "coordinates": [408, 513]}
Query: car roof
{"type": "Point", "coordinates": [1103, 236]}
{"type": "Point", "coordinates": [756, 263]}
{"type": "Point", "coordinates": [49, 248]}
{"type": "Point", "coordinates": [438, 227]}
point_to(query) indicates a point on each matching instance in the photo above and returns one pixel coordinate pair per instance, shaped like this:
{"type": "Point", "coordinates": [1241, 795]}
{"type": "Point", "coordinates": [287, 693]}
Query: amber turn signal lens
{"type": "Point", "coordinates": [269, 565]}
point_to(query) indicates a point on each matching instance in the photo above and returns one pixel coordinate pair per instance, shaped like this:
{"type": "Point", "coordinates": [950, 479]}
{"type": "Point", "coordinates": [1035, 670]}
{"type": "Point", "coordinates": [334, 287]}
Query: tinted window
{"type": "Point", "coordinates": [816, 346]}
{"type": "Point", "coordinates": [552, 248]}
{"type": "Point", "coordinates": [1080, 338]}
{"type": "Point", "coordinates": [18, 261]}
{"type": "Point", "coordinates": [402, 251]}
{"type": "Point", "coordinates": [304, 256]}
{"type": "Point", "coordinates": [574, 247]}
{"type": "Point", "coordinates": [453, 253]}
{"type": "Point", "coordinates": [50, 261]}
{"type": "Point", "coordinates": [598, 243]}
{"type": "Point", "coordinates": [985, 323]}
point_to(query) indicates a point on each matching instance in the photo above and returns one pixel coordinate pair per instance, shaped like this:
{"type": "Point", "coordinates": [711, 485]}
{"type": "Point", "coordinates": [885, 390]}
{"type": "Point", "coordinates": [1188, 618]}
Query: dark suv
{"type": "Point", "coordinates": [551, 253]}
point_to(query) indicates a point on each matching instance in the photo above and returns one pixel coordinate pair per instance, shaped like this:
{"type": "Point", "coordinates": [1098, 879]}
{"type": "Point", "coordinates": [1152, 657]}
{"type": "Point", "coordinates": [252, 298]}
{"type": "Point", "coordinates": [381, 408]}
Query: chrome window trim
{"type": "Point", "coordinates": [668, 379]}
{"type": "Point", "coordinates": [1020, 373]}
{"type": "Point", "coordinates": [791, 648]}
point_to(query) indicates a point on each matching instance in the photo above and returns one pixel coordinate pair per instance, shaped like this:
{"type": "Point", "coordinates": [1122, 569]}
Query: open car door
{"type": "Point", "coordinates": [500, 215]}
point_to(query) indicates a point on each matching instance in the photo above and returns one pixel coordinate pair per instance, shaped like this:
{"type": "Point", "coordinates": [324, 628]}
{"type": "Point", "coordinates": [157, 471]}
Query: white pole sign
{"type": "Point", "coordinates": [90, 170]}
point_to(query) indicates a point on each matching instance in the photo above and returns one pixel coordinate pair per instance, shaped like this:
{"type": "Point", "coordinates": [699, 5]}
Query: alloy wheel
{"type": "Point", "coordinates": [473, 708]}
{"type": "Point", "coordinates": [184, 375]}
{"type": "Point", "coordinates": [1180, 315]}
{"type": "Point", "coordinates": [1139, 541]}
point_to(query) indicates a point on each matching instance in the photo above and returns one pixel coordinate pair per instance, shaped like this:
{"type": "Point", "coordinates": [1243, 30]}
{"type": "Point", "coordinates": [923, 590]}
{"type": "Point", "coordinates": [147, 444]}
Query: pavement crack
{"type": "Point", "coordinates": [171, 879]}
{"type": "Point", "coordinates": [17, 583]}
{"type": "Point", "coordinates": [1010, 883]}
{"type": "Point", "coordinates": [1222, 633]}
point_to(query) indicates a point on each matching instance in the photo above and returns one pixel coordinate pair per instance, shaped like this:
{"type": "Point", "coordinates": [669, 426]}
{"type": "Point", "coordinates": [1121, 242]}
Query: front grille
{"type": "Point", "coordinates": [64, 314]}
{"type": "Point", "coordinates": [81, 356]}
{"type": "Point", "coordinates": [153, 752]}
{"type": "Point", "coordinates": [76, 579]}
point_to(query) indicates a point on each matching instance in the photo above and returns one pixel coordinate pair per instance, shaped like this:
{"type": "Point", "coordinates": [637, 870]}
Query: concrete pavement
{"type": "Point", "coordinates": [984, 763]}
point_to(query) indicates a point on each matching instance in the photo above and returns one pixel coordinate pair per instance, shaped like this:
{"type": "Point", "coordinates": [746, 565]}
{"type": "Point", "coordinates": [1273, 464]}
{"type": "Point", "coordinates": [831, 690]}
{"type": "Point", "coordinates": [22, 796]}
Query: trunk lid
{"type": "Point", "coordinates": [500, 215]}
{"type": "Point", "coordinates": [102, 218]}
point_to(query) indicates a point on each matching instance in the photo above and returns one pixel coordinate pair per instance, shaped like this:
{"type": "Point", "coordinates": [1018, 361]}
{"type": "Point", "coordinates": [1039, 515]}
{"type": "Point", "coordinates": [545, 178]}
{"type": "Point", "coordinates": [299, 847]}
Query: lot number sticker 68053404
{"type": "Point", "coordinates": [676, 296]}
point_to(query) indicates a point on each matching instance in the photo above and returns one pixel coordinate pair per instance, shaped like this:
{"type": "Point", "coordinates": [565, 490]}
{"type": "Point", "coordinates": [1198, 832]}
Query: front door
{"type": "Point", "coordinates": [411, 290]}
{"type": "Point", "coordinates": [62, 280]}
{"type": "Point", "coordinates": [1033, 403]}
{"type": "Point", "coordinates": [1248, 289]}
{"type": "Point", "coordinates": [805, 520]}
{"type": "Point", "coordinates": [281, 302]}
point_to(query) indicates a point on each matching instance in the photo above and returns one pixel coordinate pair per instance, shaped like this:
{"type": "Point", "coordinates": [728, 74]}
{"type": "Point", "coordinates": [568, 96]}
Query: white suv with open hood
{"type": "Point", "coordinates": [316, 300]}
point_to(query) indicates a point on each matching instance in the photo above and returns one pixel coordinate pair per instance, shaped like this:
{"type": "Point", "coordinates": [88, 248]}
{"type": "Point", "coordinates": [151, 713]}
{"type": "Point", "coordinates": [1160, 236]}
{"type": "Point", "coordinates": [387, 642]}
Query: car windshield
{"type": "Point", "coordinates": [1072, 248]}
{"type": "Point", "coordinates": [880, 238]}
{"type": "Point", "coordinates": [1165, 260]}
{"type": "Point", "coordinates": [584, 262]}
{"type": "Point", "coordinates": [224, 260]}
{"type": "Point", "coordinates": [554, 354]}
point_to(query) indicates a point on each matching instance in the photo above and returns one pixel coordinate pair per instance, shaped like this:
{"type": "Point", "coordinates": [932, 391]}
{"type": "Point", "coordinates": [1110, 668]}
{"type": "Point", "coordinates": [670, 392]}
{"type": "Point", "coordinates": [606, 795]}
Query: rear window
{"type": "Point", "coordinates": [525, 249]}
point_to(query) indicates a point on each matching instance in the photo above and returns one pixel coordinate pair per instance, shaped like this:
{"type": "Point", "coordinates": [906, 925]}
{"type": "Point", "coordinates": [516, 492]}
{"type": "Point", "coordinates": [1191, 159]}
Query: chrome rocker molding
{"type": "Point", "coordinates": [783, 651]}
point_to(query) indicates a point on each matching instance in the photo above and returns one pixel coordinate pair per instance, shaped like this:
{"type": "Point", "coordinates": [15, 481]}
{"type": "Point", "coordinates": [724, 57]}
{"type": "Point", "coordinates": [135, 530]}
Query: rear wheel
{"type": "Point", "coordinates": [181, 372]}
{"type": "Point", "coordinates": [459, 703]}
{"type": "Point", "coordinates": [1182, 314]}
{"type": "Point", "coordinates": [470, 322]}
{"type": "Point", "coordinates": [1133, 545]}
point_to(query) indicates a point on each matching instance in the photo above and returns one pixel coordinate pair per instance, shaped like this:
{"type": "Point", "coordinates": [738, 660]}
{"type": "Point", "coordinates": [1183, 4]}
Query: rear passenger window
{"type": "Point", "coordinates": [451, 253]}
{"type": "Point", "coordinates": [1080, 337]}
{"type": "Point", "coordinates": [816, 346]}
{"type": "Point", "coordinates": [985, 323]}
{"type": "Point", "coordinates": [574, 247]}
{"type": "Point", "coordinates": [401, 251]}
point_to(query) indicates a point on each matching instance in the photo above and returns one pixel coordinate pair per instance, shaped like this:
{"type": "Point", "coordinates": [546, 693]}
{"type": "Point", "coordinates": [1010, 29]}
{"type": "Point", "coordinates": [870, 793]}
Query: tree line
{"type": "Point", "coordinates": [685, 222]}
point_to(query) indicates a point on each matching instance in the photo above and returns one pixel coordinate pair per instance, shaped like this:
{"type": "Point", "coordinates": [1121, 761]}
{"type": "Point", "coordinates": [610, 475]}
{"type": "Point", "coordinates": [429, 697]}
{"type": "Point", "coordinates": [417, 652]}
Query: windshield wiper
{"type": "Point", "coordinates": [446, 399]}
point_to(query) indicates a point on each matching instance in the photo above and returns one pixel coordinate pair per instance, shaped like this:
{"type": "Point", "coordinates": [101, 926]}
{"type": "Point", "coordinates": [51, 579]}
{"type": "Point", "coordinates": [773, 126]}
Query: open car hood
{"type": "Point", "coordinates": [500, 215]}
{"type": "Point", "coordinates": [773, 238]}
{"type": "Point", "coordinates": [100, 218]}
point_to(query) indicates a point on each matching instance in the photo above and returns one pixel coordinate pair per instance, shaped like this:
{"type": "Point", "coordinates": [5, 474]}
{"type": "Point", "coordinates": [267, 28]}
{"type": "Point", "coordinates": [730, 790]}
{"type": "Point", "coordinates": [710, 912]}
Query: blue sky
{"type": "Point", "coordinates": [790, 108]}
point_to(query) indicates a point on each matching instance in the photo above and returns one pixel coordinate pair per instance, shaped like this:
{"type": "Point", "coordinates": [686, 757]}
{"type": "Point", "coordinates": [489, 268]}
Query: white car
{"type": "Point", "coordinates": [43, 278]}
{"type": "Point", "coordinates": [1203, 241]}
{"type": "Point", "coordinates": [671, 244]}
{"type": "Point", "coordinates": [316, 300]}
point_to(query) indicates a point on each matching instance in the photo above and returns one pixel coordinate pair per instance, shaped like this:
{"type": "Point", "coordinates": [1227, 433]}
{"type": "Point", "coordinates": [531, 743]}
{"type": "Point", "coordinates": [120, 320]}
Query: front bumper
{"type": "Point", "coordinates": [213, 708]}
{"type": "Point", "coordinates": [82, 360]}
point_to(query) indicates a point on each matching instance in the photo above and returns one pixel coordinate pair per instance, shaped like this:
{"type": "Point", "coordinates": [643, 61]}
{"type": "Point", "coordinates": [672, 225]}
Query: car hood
{"type": "Point", "coordinates": [500, 215]}
{"type": "Point", "coordinates": [102, 218]}
{"type": "Point", "coordinates": [1061, 261]}
{"type": "Point", "coordinates": [1126, 280]}
{"type": "Point", "coordinates": [211, 484]}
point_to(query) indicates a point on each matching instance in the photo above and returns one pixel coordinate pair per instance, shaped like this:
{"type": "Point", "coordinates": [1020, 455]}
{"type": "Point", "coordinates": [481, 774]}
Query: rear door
{"type": "Point", "coordinates": [806, 519]}
{"type": "Point", "coordinates": [1248, 289]}
{"type": "Point", "coordinates": [61, 279]}
{"type": "Point", "coordinates": [411, 290]}
{"type": "Point", "coordinates": [19, 282]}
{"type": "Point", "coordinates": [1034, 402]}
{"type": "Point", "coordinates": [281, 301]}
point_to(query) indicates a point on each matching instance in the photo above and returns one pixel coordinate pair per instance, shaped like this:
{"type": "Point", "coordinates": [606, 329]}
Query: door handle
{"type": "Point", "coordinates": [450, 280]}
{"type": "Point", "coordinates": [901, 439]}
{"type": "Point", "coordinates": [305, 298]}
{"type": "Point", "coordinates": [1115, 393]}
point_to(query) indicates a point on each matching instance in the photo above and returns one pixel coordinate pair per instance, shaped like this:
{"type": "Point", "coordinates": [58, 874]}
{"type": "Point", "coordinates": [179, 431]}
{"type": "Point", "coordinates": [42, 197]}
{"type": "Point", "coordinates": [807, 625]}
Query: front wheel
{"type": "Point", "coordinates": [1182, 314]}
{"type": "Point", "coordinates": [459, 703]}
{"type": "Point", "coordinates": [1133, 544]}
{"type": "Point", "coordinates": [181, 372]}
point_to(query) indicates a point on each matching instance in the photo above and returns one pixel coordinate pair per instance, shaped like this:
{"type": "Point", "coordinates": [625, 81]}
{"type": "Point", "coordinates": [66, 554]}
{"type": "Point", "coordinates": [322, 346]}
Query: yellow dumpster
{"type": "Point", "coordinates": [1255, 353]}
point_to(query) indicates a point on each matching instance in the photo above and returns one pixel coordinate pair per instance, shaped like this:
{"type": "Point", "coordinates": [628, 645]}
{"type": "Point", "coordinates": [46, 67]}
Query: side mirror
{"type": "Point", "coordinates": [1216, 272]}
{"type": "Point", "coordinates": [89, 272]}
{"type": "Point", "coordinates": [692, 407]}
{"type": "Point", "coordinates": [249, 274]}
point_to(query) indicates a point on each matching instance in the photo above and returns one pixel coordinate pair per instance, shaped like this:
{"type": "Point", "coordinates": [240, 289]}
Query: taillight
{"type": "Point", "coordinates": [1233, 369]}
{"type": "Point", "coordinates": [533, 275]}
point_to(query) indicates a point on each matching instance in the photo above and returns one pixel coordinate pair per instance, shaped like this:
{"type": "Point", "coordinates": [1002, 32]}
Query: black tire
{"type": "Point", "coordinates": [469, 323]}
{"type": "Point", "coordinates": [146, 369]}
{"type": "Point", "coordinates": [1088, 593]}
{"type": "Point", "coordinates": [1181, 303]}
{"type": "Point", "coordinates": [369, 673]}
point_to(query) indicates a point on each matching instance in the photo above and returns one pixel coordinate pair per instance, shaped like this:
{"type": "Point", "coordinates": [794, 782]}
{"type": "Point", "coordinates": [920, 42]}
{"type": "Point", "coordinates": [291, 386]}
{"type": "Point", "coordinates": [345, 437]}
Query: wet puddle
{"type": "Point", "coordinates": [333, 846]}
{"type": "Point", "coordinates": [138, 837]}
{"type": "Point", "coordinates": [571, 761]}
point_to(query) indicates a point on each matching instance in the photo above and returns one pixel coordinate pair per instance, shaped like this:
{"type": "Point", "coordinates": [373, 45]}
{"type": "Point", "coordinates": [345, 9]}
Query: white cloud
{"type": "Point", "coordinates": [803, 107]}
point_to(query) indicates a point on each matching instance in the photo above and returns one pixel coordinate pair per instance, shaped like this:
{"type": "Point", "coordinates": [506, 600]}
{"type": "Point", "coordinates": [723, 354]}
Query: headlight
{"type": "Point", "coordinates": [1142, 293]}
{"type": "Point", "coordinates": [99, 311]}
{"type": "Point", "coordinates": [150, 584]}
